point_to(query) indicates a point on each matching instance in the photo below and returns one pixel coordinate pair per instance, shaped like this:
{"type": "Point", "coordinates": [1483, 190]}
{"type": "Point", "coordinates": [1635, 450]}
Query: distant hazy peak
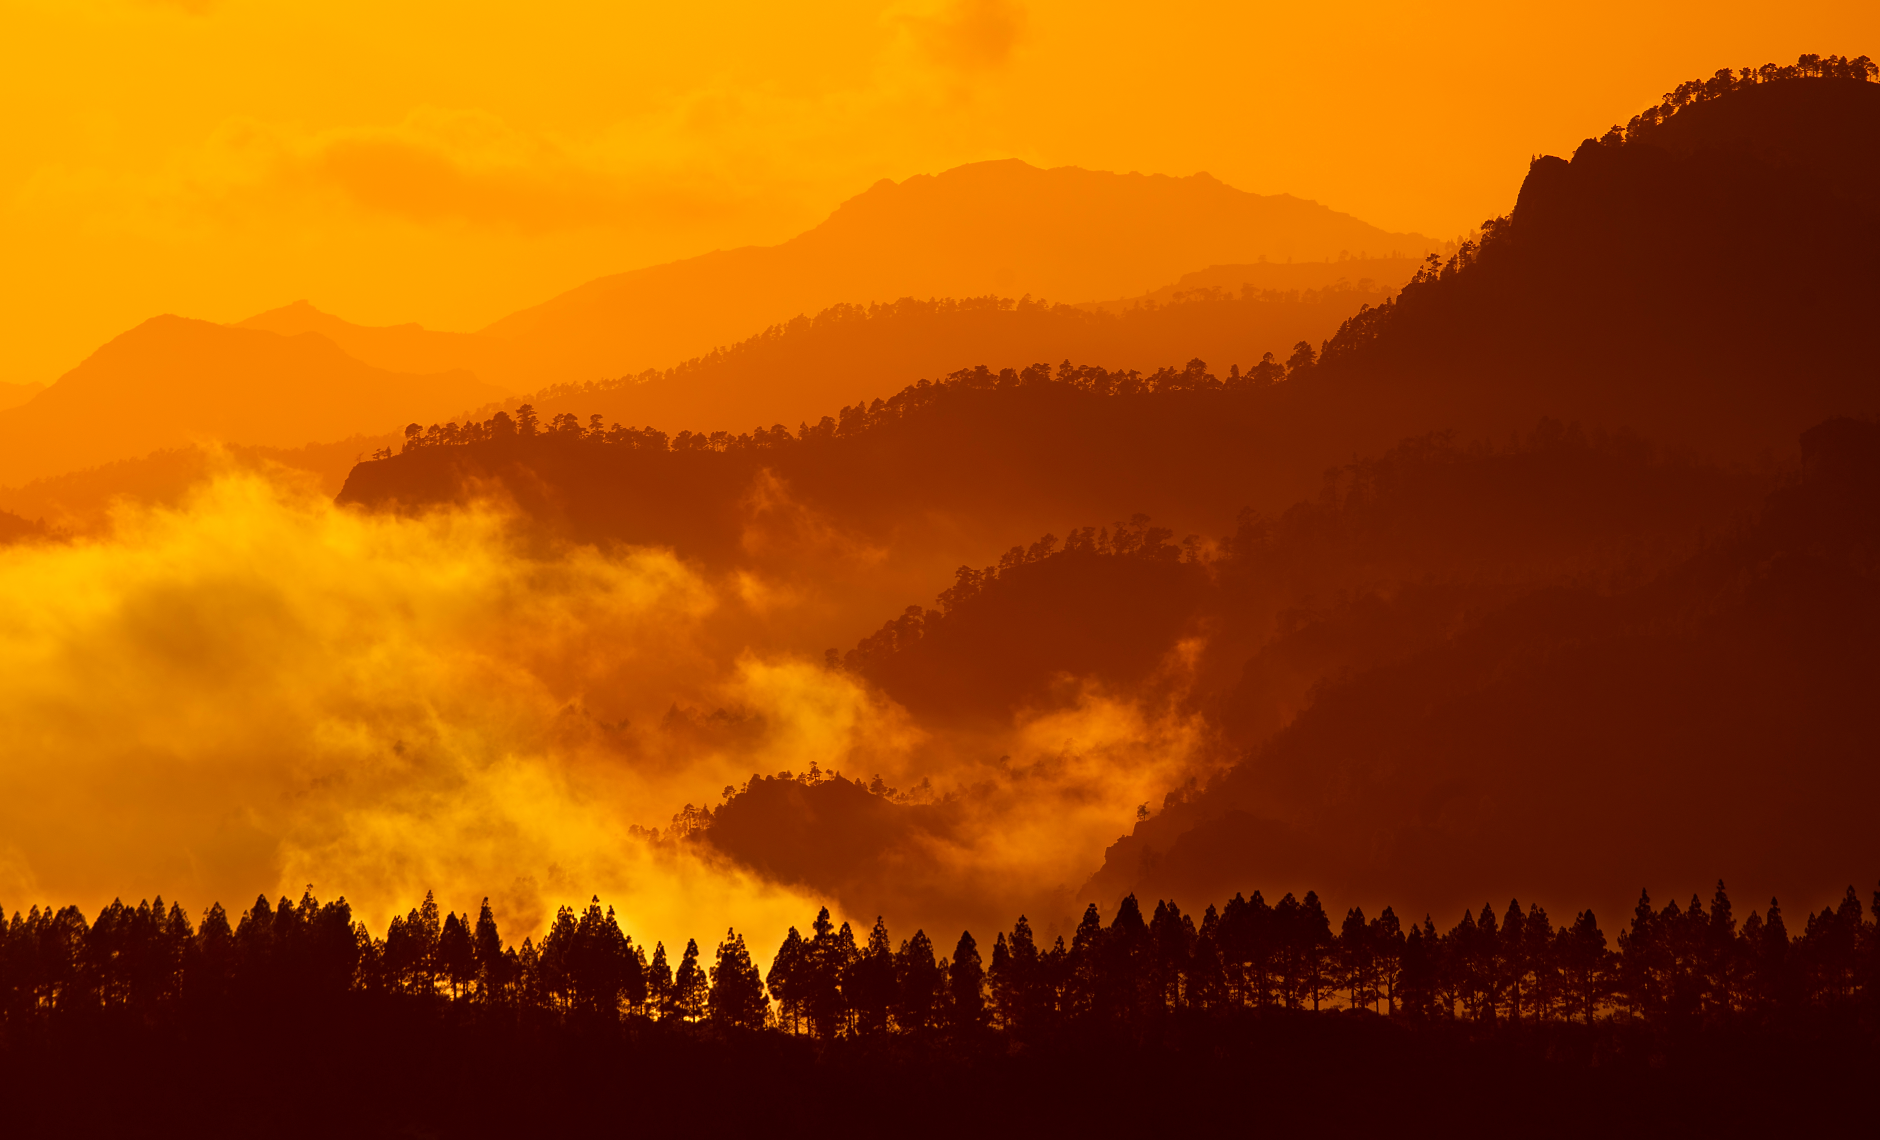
{"type": "Point", "coordinates": [301, 316]}
{"type": "Point", "coordinates": [1002, 227]}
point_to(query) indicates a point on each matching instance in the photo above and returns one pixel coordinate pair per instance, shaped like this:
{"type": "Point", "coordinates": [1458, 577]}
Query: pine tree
{"type": "Point", "coordinates": [786, 978]}
{"type": "Point", "coordinates": [966, 987]}
{"type": "Point", "coordinates": [872, 983]}
{"type": "Point", "coordinates": [486, 946]}
{"type": "Point", "coordinates": [557, 961]}
{"type": "Point", "coordinates": [456, 955]}
{"type": "Point", "coordinates": [690, 985]}
{"type": "Point", "coordinates": [1356, 959]}
{"type": "Point", "coordinates": [1387, 942]}
{"type": "Point", "coordinates": [1513, 956]}
{"type": "Point", "coordinates": [659, 984]}
{"type": "Point", "coordinates": [1316, 944]}
{"type": "Point", "coordinates": [737, 993]}
{"type": "Point", "coordinates": [917, 983]}
{"type": "Point", "coordinates": [1085, 968]}
{"type": "Point", "coordinates": [1585, 962]}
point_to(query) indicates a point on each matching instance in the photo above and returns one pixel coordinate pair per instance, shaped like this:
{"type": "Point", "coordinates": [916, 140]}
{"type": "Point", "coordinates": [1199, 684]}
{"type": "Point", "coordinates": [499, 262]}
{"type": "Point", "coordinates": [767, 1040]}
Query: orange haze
{"type": "Point", "coordinates": [450, 164]}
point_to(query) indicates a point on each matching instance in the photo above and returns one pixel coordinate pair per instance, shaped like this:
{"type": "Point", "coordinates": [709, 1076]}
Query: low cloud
{"type": "Point", "coordinates": [258, 690]}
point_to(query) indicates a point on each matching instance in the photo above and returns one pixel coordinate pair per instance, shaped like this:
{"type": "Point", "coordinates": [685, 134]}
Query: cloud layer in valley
{"type": "Point", "coordinates": [258, 690]}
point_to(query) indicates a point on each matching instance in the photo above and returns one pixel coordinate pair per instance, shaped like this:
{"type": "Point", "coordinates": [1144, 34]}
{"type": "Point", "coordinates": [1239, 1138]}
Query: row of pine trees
{"type": "Point", "coordinates": [1688, 964]}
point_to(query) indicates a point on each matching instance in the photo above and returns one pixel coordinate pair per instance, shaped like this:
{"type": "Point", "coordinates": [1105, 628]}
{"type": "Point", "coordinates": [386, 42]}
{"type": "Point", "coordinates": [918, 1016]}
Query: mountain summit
{"type": "Point", "coordinates": [1001, 227]}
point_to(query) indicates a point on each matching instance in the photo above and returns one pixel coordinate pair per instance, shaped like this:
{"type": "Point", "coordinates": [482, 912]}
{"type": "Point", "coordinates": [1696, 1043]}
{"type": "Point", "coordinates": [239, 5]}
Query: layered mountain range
{"type": "Point", "coordinates": [1592, 596]}
{"type": "Point", "coordinates": [998, 228]}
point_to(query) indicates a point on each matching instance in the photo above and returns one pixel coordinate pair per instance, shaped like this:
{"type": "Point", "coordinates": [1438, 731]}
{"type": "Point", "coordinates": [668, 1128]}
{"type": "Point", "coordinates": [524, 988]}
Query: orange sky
{"type": "Point", "coordinates": [449, 163]}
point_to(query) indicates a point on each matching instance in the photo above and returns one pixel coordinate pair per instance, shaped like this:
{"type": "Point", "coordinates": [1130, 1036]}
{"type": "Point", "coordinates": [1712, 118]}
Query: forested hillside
{"type": "Point", "coordinates": [800, 369]}
{"type": "Point", "coordinates": [1715, 712]}
{"type": "Point", "coordinates": [1382, 640]}
{"type": "Point", "coordinates": [1713, 326]}
{"type": "Point", "coordinates": [1698, 276]}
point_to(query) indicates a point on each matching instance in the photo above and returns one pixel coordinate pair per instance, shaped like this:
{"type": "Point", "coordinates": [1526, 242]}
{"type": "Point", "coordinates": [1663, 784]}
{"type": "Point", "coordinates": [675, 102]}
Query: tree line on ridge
{"type": "Point", "coordinates": [1688, 965]}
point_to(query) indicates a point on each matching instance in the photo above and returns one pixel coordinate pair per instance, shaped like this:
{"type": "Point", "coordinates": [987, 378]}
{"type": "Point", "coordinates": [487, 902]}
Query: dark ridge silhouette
{"type": "Point", "coordinates": [801, 368]}
{"type": "Point", "coordinates": [1678, 293]}
{"type": "Point", "coordinates": [1715, 712]}
{"type": "Point", "coordinates": [1611, 617]}
{"type": "Point", "coordinates": [987, 449]}
{"type": "Point", "coordinates": [1105, 608]}
{"type": "Point", "coordinates": [843, 838]}
{"type": "Point", "coordinates": [143, 1003]}
{"type": "Point", "coordinates": [1412, 541]}
{"type": "Point", "coordinates": [1698, 277]}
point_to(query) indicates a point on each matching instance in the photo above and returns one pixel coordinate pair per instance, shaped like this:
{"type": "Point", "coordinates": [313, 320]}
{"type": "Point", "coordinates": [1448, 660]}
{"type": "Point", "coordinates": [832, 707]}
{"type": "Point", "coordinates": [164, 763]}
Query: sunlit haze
{"type": "Point", "coordinates": [451, 163]}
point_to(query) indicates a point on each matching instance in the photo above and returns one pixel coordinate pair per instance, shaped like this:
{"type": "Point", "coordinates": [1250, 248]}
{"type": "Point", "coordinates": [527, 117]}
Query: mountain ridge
{"type": "Point", "coordinates": [174, 381]}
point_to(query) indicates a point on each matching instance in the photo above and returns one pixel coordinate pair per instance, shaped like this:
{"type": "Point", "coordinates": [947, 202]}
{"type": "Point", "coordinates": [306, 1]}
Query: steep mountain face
{"type": "Point", "coordinates": [1003, 228]}
{"type": "Point", "coordinates": [1705, 281]}
{"type": "Point", "coordinates": [1713, 721]}
{"type": "Point", "coordinates": [171, 382]}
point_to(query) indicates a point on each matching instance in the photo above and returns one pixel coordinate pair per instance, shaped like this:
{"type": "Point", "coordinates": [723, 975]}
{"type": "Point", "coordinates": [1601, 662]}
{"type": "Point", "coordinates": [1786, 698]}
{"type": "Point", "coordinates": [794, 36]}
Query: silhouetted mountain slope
{"type": "Point", "coordinates": [1704, 280]}
{"type": "Point", "coordinates": [1715, 717]}
{"type": "Point", "coordinates": [1221, 644]}
{"type": "Point", "coordinates": [991, 227]}
{"type": "Point", "coordinates": [1002, 639]}
{"type": "Point", "coordinates": [1000, 453]}
{"type": "Point", "coordinates": [1684, 294]}
{"type": "Point", "coordinates": [170, 382]}
{"type": "Point", "coordinates": [835, 835]}
{"type": "Point", "coordinates": [1396, 553]}
{"type": "Point", "coordinates": [798, 371]}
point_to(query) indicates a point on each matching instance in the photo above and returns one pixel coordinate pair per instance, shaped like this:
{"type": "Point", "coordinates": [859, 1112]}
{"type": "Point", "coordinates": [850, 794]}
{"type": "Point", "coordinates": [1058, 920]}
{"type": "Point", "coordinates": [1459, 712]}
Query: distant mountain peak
{"type": "Point", "coordinates": [999, 226]}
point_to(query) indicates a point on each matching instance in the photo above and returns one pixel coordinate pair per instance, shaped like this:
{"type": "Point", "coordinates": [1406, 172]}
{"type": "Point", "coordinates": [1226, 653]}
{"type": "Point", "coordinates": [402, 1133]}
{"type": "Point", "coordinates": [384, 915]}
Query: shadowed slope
{"type": "Point", "coordinates": [1715, 720]}
{"type": "Point", "coordinates": [1707, 281]}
